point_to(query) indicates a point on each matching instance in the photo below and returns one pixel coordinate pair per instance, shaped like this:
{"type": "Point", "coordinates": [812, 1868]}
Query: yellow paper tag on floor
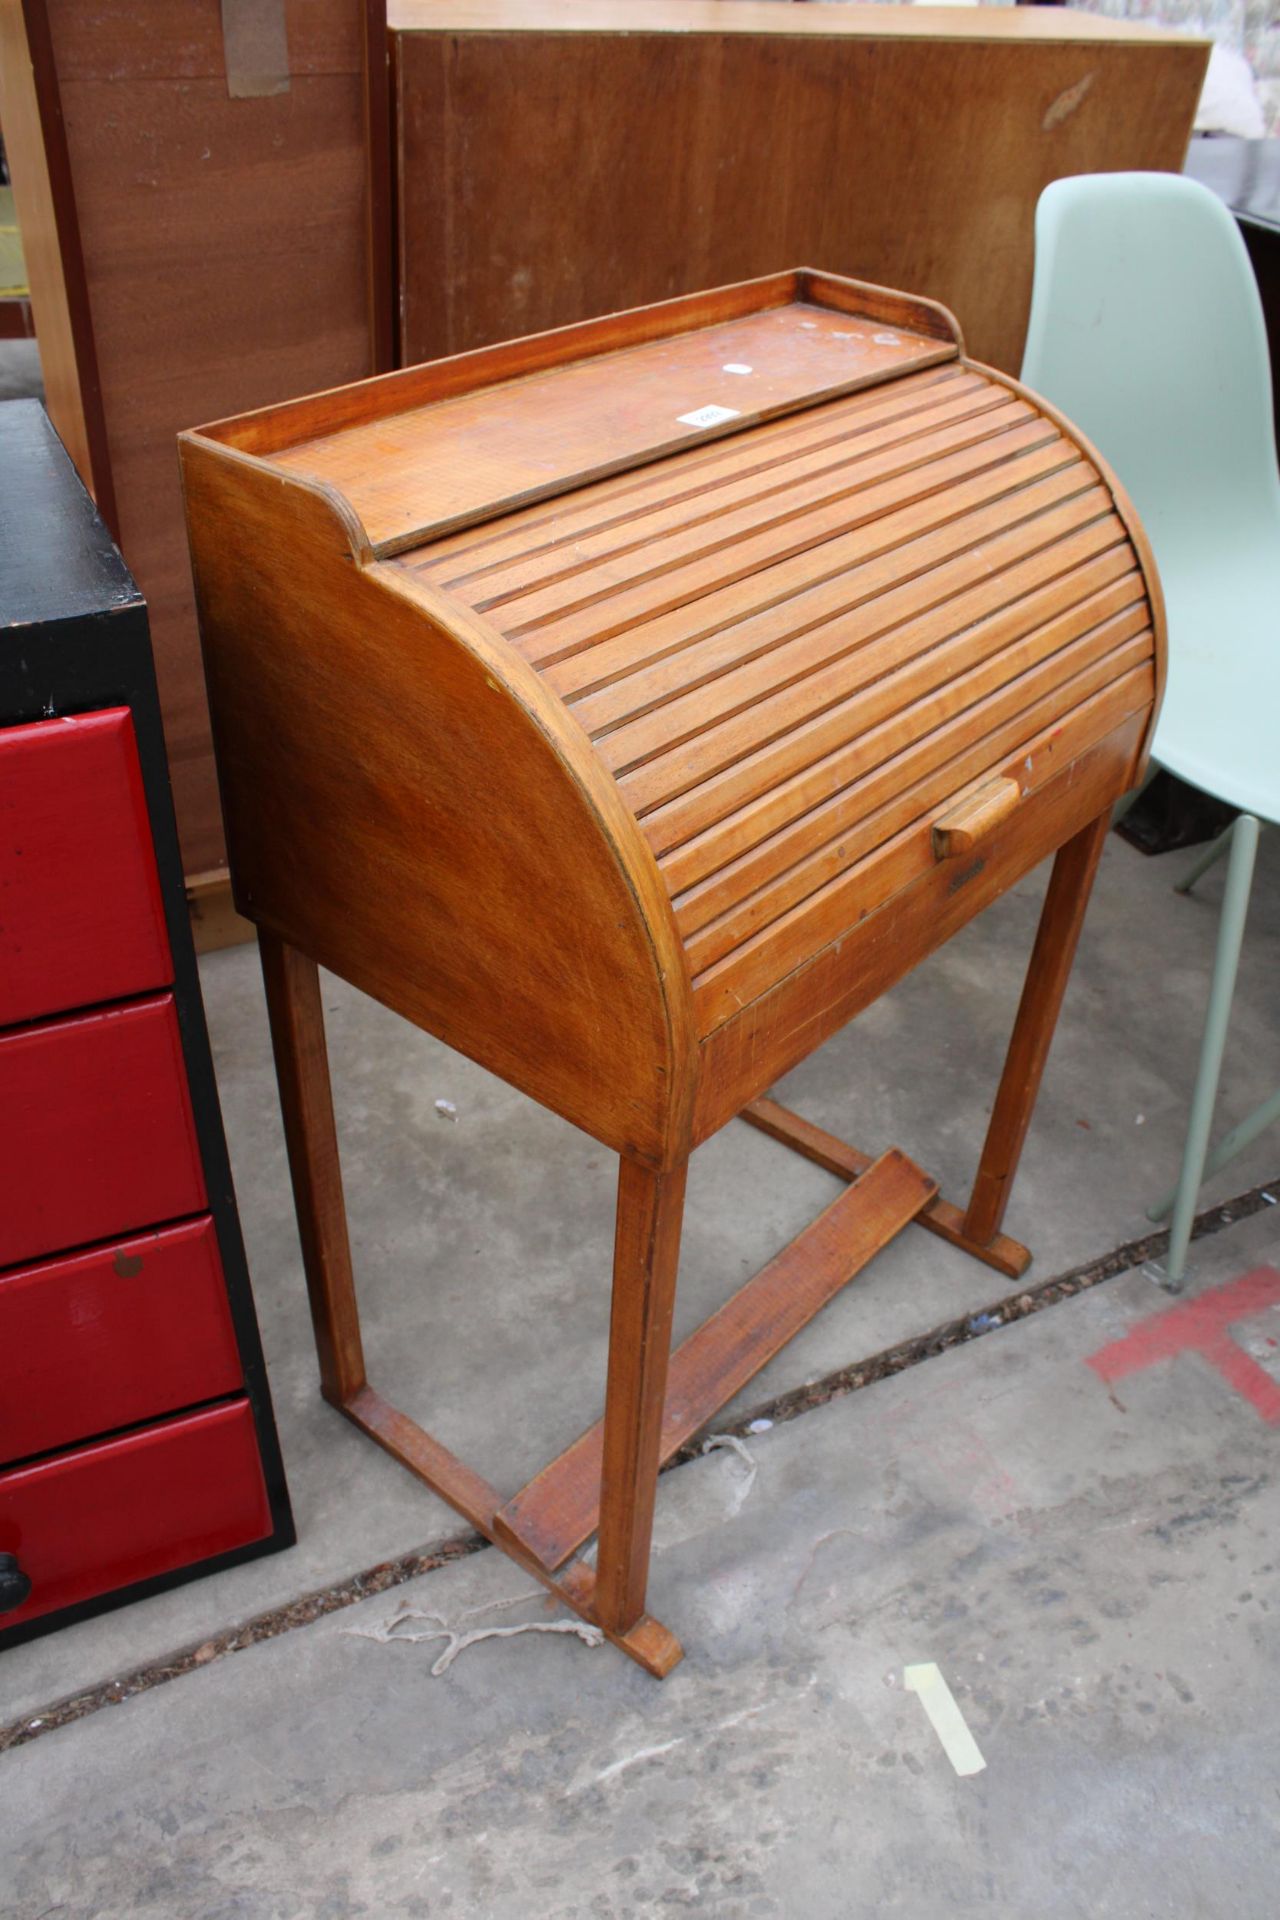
{"type": "Point", "coordinates": [948, 1722]}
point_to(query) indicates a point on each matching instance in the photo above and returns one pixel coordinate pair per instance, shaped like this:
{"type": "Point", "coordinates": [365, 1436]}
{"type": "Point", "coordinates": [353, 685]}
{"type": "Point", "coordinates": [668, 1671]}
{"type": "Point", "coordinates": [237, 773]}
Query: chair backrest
{"type": "Point", "coordinates": [1147, 331]}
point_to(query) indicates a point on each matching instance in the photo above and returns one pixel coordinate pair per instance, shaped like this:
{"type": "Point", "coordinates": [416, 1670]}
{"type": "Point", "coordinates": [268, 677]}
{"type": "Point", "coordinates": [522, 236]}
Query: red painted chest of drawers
{"type": "Point", "coordinates": [137, 1445]}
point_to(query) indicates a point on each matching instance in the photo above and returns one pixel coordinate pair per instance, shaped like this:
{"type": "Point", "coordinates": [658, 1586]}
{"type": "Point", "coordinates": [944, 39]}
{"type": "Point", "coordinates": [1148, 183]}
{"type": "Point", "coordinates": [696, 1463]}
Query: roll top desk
{"type": "Point", "coordinates": [629, 707]}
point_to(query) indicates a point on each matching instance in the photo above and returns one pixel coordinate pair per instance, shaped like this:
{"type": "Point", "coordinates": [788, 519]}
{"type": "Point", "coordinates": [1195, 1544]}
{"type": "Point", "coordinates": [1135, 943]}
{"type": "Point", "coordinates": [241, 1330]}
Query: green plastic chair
{"type": "Point", "coordinates": [1147, 331]}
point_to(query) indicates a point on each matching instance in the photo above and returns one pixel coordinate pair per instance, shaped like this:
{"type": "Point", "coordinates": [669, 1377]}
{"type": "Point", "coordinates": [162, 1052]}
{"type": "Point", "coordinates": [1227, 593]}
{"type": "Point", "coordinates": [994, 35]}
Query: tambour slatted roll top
{"type": "Point", "coordinates": [822, 616]}
{"type": "Point", "coordinates": [792, 650]}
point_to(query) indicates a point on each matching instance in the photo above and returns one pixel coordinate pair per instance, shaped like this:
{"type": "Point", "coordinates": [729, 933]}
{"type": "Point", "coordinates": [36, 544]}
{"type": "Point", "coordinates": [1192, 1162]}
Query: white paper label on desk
{"type": "Point", "coordinates": [709, 416]}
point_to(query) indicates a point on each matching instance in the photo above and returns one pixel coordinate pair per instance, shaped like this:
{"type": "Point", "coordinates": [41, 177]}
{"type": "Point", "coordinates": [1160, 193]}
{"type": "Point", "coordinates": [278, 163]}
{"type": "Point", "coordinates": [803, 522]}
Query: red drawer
{"type": "Point", "coordinates": [104, 1516]}
{"type": "Point", "coordinates": [112, 1337]}
{"type": "Point", "coordinates": [96, 1132]}
{"type": "Point", "coordinates": [81, 917]}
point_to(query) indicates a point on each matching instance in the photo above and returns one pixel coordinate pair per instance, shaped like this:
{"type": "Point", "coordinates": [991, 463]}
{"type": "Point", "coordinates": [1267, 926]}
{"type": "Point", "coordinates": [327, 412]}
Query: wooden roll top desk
{"type": "Point", "coordinates": [629, 707]}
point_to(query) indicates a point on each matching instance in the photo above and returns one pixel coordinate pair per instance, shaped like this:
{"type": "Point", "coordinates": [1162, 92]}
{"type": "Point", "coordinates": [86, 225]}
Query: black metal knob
{"type": "Point", "coordinates": [15, 1585]}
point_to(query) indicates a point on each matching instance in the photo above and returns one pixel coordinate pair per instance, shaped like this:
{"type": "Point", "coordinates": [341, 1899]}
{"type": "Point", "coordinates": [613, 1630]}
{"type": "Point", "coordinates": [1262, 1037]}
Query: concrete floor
{"type": "Point", "coordinates": [1093, 1571]}
{"type": "Point", "coordinates": [20, 376]}
{"type": "Point", "coordinates": [972, 1518]}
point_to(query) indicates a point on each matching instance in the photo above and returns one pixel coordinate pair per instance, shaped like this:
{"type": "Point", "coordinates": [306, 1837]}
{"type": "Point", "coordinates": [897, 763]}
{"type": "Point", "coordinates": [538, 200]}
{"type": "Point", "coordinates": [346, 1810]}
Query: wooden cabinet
{"type": "Point", "coordinates": [136, 1439]}
{"type": "Point", "coordinates": [558, 159]}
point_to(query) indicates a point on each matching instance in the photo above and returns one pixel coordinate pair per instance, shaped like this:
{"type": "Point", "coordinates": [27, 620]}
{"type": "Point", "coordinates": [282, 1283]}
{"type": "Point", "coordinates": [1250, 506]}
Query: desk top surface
{"type": "Point", "coordinates": [419, 454]}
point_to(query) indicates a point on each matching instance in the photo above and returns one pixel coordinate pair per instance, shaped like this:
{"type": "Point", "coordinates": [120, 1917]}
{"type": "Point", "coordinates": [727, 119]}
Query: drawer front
{"type": "Point", "coordinates": [102, 1517]}
{"type": "Point", "coordinates": [81, 917]}
{"type": "Point", "coordinates": [96, 1130]}
{"type": "Point", "coordinates": [111, 1337]}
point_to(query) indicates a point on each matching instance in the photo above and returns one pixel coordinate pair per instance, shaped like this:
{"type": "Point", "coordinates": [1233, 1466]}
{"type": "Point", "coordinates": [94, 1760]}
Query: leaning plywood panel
{"type": "Point", "coordinates": [561, 158]}
{"type": "Point", "coordinates": [222, 219]}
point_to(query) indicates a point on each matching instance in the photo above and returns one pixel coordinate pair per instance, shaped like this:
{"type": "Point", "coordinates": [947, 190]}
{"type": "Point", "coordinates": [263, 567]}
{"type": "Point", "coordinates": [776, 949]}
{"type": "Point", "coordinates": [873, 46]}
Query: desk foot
{"type": "Point", "coordinates": [650, 1644]}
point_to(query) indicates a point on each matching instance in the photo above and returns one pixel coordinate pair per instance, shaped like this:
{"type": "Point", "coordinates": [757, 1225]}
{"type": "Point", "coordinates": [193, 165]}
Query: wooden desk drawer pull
{"type": "Point", "coordinates": [973, 819]}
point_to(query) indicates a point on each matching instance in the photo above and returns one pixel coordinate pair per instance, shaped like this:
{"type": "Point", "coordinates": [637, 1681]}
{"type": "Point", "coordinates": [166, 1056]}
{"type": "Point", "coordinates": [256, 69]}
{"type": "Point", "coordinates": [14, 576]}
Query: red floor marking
{"type": "Point", "coordinates": [1200, 1326]}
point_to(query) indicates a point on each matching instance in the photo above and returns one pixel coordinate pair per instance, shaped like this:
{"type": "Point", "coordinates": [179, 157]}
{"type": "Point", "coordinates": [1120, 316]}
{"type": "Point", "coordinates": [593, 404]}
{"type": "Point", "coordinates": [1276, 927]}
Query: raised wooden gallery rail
{"type": "Point", "coordinates": [629, 707]}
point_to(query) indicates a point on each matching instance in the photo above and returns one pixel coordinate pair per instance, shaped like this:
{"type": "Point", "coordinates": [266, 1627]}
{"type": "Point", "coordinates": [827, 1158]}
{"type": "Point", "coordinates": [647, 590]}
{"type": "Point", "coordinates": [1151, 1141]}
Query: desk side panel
{"type": "Point", "coordinates": [395, 809]}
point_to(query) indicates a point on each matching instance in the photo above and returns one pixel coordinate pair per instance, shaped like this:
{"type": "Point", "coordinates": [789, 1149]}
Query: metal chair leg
{"type": "Point", "coordinates": [1227, 1148]}
{"type": "Point", "coordinates": [1235, 907]}
{"type": "Point", "coordinates": [1215, 851]}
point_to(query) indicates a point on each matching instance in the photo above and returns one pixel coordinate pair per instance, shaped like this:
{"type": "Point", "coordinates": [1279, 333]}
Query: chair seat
{"type": "Point", "coordinates": [1219, 726]}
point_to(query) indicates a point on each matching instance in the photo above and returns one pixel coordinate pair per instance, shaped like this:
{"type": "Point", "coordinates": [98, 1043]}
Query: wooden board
{"type": "Point", "coordinates": [666, 146]}
{"type": "Point", "coordinates": [226, 250]}
{"type": "Point", "coordinates": [527, 930]}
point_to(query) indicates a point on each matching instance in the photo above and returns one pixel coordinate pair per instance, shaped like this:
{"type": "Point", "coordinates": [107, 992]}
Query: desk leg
{"type": "Point", "coordinates": [645, 1257]}
{"type": "Point", "coordinates": [1050, 967]}
{"type": "Point", "coordinates": [650, 1207]}
{"type": "Point", "coordinates": [302, 1068]}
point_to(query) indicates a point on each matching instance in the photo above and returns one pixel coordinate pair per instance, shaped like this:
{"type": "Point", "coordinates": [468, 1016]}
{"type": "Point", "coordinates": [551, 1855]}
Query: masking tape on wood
{"type": "Point", "coordinates": [255, 48]}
